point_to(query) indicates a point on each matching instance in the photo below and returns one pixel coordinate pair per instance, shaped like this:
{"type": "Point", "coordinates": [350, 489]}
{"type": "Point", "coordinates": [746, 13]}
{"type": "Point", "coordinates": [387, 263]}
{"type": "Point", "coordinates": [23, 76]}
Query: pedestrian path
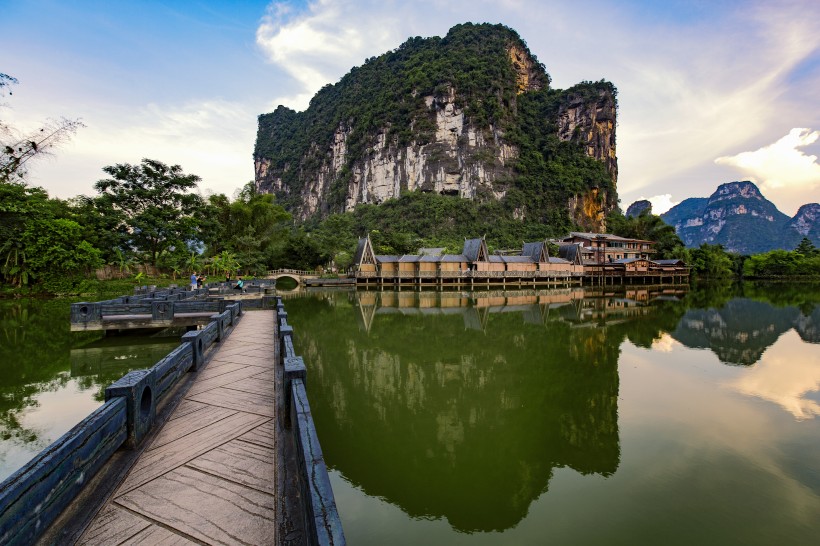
{"type": "Point", "coordinates": [209, 476]}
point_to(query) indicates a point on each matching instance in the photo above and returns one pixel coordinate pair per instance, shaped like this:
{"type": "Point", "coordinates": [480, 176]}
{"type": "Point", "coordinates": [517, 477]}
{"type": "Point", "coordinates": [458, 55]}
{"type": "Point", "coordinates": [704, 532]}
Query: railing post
{"type": "Point", "coordinates": [220, 329]}
{"type": "Point", "coordinates": [198, 345]}
{"type": "Point", "coordinates": [86, 312]}
{"type": "Point", "coordinates": [162, 310]}
{"type": "Point", "coordinates": [139, 390]}
{"type": "Point", "coordinates": [294, 369]}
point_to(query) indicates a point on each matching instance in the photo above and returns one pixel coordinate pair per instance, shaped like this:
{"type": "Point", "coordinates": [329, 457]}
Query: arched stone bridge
{"type": "Point", "coordinates": [297, 275]}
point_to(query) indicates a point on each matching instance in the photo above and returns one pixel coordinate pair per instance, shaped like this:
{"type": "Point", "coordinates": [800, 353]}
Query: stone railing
{"type": "Point", "coordinates": [322, 522]}
{"type": "Point", "coordinates": [32, 498]}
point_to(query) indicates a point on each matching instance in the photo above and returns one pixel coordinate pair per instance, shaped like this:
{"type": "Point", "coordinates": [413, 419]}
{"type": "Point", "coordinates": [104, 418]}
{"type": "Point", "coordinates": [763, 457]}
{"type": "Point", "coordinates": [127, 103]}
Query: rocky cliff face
{"type": "Point", "coordinates": [807, 222]}
{"type": "Point", "coordinates": [590, 120]}
{"type": "Point", "coordinates": [740, 218]}
{"type": "Point", "coordinates": [461, 160]}
{"type": "Point", "coordinates": [453, 139]}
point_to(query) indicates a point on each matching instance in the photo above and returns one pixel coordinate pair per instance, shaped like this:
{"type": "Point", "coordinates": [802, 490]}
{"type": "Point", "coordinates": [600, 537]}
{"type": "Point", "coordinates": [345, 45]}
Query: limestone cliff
{"type": "Point", "coordinates": [590, 119]}
{"type": "Point", "coordinates": [466, 115]}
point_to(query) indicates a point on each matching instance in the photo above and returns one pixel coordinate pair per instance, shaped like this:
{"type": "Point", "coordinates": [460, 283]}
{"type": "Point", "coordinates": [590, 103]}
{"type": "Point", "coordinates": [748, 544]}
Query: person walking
{"type": "Point", "coordinates": [193, 280]}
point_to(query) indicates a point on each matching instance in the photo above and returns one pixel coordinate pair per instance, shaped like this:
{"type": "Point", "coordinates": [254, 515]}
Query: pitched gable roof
{"type": "Point", "coordinates": [475, 250]}
{"type": "Point", "coordinates": [536, 251]}
{"type": "Point", "coordinates": [364, 252]}
{"type": "Point", "coordinates": [571, 253]}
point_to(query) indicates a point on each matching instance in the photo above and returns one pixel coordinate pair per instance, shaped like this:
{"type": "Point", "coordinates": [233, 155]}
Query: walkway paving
{"type": "Point", "coordinates": [209, 475]}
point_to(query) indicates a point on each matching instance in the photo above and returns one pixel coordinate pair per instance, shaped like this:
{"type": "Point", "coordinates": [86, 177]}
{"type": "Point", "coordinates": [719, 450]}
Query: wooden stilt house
{"type": "Point", "coordinates": [365, 260]}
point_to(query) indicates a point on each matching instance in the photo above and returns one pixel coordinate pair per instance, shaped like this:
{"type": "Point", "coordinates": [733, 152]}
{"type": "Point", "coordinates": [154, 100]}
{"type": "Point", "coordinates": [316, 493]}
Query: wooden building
{"type": "Point", "coordinates": [604, 247]}
{"type": "Point", "coordinates": [592, 259]}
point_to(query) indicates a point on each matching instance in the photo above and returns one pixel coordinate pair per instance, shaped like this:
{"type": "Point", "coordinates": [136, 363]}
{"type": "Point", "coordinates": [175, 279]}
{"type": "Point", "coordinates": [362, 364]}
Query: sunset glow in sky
{"type": "Point", "coordinates": [709, 92]}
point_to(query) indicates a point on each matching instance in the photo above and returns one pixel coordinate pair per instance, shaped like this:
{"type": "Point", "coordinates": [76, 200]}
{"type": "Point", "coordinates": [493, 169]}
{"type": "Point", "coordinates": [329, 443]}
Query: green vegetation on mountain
{"type": "Point", "coordinates": [385, 98]}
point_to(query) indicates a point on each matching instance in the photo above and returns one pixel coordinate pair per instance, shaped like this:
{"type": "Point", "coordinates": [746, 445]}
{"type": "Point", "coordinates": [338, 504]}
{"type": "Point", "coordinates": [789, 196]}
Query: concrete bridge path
{"type": "Point", "coordinates": [209, 476]}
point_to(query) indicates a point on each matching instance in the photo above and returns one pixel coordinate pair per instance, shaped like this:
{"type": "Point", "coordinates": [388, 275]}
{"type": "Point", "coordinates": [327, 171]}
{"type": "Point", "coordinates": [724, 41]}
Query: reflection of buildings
{"type": "Point", "coordinates": [448, 421]}
{"type": "Point", "coordinates": [460, 405]}
{"type": "Point", "coordinates": [577, 306]}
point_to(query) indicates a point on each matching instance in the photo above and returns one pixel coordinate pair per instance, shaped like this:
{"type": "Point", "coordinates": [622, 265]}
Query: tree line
{"type": "Point", "coordinates": [153, 213]}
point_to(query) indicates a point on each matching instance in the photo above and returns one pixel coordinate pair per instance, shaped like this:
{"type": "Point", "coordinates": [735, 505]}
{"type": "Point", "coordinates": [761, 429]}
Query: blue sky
{"type": "Point", "coordinates": [710, 91]}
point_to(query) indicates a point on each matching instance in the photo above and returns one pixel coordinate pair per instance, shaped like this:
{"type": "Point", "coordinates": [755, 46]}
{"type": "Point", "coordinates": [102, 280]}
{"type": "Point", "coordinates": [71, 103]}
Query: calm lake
{"type": "Point", "coordinates": [52, 378]}
{"type": "Point", "coordinates": [522, 417]}
{"type": "Point", "coordinates": [559, 417]}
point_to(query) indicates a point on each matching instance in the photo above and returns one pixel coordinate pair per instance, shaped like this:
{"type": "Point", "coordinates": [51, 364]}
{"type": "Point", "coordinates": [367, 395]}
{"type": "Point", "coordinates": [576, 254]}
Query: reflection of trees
{"type": "Point", "coordinates": [35, 334]}
{"type": "Point", "coordinates": [454, 422]}
{"type": "Point", "coordinates": [35, 344]}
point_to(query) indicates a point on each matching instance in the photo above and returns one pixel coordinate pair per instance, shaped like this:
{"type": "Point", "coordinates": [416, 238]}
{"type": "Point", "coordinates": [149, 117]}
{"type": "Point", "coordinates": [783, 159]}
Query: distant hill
{"type": "Point", "coordinates": [636, 208]}
{"type": "Point", "coordinates": [741, 219]}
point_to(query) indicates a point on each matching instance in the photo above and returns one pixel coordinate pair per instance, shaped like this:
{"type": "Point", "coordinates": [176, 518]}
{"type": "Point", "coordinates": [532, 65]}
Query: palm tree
{"type": "Point", "coordinates": [225, 262]}
{"type": "Point", "coordinates": [193, 263]}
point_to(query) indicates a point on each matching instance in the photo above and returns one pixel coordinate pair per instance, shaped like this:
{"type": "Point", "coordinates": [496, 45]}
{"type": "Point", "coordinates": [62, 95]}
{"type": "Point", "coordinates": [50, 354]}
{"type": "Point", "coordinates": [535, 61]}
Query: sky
{"type": "Point", "coordinates": [709, 91]}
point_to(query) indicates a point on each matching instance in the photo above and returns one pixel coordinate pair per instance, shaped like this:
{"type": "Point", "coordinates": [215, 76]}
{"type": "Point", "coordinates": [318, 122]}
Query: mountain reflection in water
{"type": "Point", "coordinates": [462, 405]}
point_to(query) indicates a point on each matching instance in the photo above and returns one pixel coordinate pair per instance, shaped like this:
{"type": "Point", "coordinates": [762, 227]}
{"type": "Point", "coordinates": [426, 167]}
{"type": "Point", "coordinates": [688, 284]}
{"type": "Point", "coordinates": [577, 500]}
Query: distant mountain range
{"type": "Point", "coordinates": [738, 217]}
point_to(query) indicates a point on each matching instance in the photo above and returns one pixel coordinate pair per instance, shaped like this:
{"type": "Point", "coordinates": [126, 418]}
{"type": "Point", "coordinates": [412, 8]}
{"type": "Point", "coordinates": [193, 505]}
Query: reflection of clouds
{"type": "Point", "coordinates": [785, 375]}
{"type": "Point", "coordinates": [665, 344]}
{"type": "Point", "coordinates": [682, 431]}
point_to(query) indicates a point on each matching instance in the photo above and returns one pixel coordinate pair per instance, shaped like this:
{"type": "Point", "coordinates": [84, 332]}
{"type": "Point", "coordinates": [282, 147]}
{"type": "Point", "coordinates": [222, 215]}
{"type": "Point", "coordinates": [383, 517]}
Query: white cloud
{"type": "Point", "coordinates": [660, 203]}
{"type": "Point", "coordinates": [320, 45]}
{"type": "Point", "coordinates": [682, 106]}
{"type": "Point", "coordinates": [782, 168]}
{"type": "Point", "coordinates": [665, 344]}
{"type": "Point", "coordinates": [211, 138]}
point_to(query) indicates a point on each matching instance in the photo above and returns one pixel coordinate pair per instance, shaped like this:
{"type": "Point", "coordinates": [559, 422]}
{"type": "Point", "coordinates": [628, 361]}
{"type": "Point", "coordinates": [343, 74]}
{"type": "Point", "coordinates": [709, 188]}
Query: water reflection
{"type": "Point", "coordinates": [788, 376]}
{"type": "Point", "coordinates": [51, 378]}
{"type": "Point", "coordinates": [463, 405]}
{"type": "Point", "coordinates": [467, 402]}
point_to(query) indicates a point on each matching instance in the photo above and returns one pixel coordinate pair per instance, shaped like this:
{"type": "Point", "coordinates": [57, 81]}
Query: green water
{"type": "Point", "coordinates": [568, 418]}
{"type": "Point", "coordinates": [52, 378]}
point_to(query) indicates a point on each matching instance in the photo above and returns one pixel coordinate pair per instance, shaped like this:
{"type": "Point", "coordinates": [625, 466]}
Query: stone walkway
{"type": "Point", "coordinates": [209, 476]}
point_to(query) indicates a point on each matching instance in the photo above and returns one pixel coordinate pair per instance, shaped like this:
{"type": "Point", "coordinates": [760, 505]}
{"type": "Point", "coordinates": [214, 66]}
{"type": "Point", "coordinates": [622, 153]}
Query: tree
{"type": "Point", "coordinates": [711, 262]}
{"type": "Point", "coordinates": [156, 204]}
{"type": "Point", "coordinates": [18, 148]}
{"type": "Point", "coordinates": [247, 226]}
{"type": "Point", "coordinates": [225, 262]}
{"type": "Point", "coordinates": [55, 249]}
{"type": "Point", "coordinates": [807, 248]}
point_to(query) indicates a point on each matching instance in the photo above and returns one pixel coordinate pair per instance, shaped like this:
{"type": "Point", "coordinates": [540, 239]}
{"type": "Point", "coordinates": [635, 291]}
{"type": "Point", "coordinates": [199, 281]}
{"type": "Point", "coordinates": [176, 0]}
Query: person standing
{"type": "Point", "coordinates": [193, 280]}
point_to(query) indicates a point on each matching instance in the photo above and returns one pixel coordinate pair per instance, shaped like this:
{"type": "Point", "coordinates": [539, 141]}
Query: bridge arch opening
{"type": "Point", "coordinates": [286, 282]}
